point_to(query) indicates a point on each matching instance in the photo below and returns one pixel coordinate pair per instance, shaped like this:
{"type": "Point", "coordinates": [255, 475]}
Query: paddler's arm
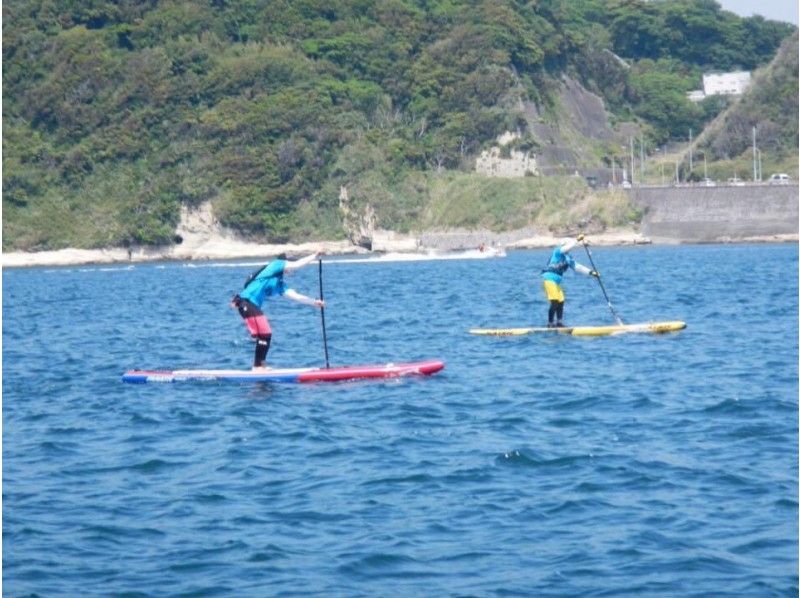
{"type": "Point", "coordinates": [297, 264]}
{"type": "Point", "coordinates": [295, 296]}
{"type": "Point", "coordinates": [581, 269]}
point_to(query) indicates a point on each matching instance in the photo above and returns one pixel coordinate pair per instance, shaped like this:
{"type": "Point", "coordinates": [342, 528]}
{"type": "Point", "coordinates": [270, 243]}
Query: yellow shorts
{"type": "Point", "coordinates": [553, 291]}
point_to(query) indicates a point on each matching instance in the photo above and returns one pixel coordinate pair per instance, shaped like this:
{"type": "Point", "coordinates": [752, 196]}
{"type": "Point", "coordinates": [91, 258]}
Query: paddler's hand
{"type": "Point", "coordinates": [580, 238]}
{"type": "Point", "coordinates": [319, 303]}
{"type": "Point", "coordinates": [594, 273]}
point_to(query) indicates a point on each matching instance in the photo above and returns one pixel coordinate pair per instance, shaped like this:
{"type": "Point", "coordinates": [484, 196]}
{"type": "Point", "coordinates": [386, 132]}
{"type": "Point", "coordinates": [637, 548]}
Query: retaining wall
{"type": "Point", "coordinates": [722, 213]}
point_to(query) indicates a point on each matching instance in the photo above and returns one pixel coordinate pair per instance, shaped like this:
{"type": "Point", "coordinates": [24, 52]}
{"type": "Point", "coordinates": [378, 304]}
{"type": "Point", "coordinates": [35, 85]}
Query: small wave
{"type": "Point", "coordinates": [473, 476]}
{"type": "Point", "coordinates": [310, 517]}
{"type": "Point", "coordinates": [727, 406]}
{"type": "Point", "coordinates": [417, 478]}
{"type": "Point", "coordinates": [762, 545]}
{"type": "Point", "coordinates": [518, 458]}
{"type": "Point", "coordinates": [121, 534]}
{"type": "Point", "coordinates": [578, 506]}
{"type": "Point", "coordinates": [139, 419]}
{"type": "Point", "coordinates": [386, 565]}
{"type": "Point", "coordinates": [52, 448]}
{"type": "Point", "coordinates": [270, 552]}
{"type": "Point", "coordinates": [154, 466]}
{"type": "Point", "coordinates": [67, 430]}
{"type": "Point", "coordinates": [211, 498]}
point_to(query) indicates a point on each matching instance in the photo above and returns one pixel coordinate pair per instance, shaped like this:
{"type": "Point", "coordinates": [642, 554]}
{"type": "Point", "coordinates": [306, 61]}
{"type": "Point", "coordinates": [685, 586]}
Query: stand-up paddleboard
{"type": "Point", "coordinates": [291, 375]}
{"type": "Point", "coordinates": [648, 328]}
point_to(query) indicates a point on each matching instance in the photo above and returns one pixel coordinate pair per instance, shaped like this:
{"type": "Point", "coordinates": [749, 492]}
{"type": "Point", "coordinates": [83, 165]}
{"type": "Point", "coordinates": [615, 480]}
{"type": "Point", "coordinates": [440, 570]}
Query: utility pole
{"type": "Point", "coordinates": [691, 166]}
{"type": "Point", "coordinates": [641, 157]}
{"type": "Point", "coordinates": [755, 164]}
{"type": "Point", "coordinates": [705, 167]}
{"type": "Point", "coordinates": [630, 140]}
{"type": "Point", "coordinates": [760, 172]}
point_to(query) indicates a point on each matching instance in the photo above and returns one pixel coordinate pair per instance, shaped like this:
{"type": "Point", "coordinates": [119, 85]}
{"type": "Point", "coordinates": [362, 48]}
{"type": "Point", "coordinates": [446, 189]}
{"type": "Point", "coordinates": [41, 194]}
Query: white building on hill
{"type": "Point", "coordinates": [726, 84]}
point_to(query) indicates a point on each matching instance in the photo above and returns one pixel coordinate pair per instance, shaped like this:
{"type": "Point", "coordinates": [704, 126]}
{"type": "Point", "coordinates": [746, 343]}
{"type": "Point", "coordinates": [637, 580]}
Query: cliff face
{"type": "Point", "coordinates": [568, 133]}
{"type": "Point", "coordinates": [570, 136]}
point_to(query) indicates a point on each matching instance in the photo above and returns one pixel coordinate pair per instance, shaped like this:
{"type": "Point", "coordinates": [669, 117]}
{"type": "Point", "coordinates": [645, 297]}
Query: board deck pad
{"type": "Point", "coordinates": [288, 375]}
{"type": "Point", "coordinates": [612, 329]}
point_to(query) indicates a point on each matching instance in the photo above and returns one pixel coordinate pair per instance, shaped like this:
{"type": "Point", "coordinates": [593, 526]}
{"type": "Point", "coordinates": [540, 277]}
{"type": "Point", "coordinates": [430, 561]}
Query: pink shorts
{"type": "Point", "coordinates": [255, 320]}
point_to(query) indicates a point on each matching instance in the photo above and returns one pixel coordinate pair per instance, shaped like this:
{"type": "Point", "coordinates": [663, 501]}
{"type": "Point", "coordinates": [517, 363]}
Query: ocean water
{"type": "Point", "coordinates": [531, 466]}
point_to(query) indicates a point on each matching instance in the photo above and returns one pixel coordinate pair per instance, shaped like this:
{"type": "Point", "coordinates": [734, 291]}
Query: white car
{"type": "Point", "coordinates": [779, 179]}
{"type": "Point", "coordinates": [708, 183]}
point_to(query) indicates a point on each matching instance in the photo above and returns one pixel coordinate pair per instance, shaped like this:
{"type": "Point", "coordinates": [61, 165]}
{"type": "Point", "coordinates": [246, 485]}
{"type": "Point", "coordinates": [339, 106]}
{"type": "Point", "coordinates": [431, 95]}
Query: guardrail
{"type": "Point", "coordinates": [703, 185]}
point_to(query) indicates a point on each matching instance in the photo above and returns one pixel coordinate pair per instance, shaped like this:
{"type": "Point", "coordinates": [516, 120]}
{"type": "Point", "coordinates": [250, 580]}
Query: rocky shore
{"type": "Point", "coordinates": [202, 238]}
{"type": "Point", "coordinates": [220, 247]}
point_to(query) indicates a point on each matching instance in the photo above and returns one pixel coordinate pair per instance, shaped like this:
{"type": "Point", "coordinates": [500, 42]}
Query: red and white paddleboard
{"type": "Point", "coordinates": [292, 375]}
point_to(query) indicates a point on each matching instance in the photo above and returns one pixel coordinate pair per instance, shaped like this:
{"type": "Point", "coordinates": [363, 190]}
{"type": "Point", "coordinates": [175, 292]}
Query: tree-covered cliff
{"type": "Point", "coordinates": [117, 113]}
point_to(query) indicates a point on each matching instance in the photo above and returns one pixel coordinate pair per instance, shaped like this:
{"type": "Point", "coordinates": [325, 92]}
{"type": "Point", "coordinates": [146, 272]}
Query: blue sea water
{"type": "Point", "coordinates": [531, 466]}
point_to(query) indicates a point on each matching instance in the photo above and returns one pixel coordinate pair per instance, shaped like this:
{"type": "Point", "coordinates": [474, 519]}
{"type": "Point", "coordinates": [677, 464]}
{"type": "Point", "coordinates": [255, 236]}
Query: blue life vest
{"type": "Point", "coordinates": [559, 263]}
{"type": "Point", "coordinates": [267, 282]}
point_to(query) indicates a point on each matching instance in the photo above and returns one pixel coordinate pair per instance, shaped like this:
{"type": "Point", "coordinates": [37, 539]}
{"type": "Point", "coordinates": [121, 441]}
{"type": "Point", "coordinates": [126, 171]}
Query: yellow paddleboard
{"type": "Point", "coordinates": [648, 328]}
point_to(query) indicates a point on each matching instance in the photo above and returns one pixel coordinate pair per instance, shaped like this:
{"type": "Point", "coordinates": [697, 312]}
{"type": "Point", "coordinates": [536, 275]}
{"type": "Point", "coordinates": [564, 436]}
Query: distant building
{"type": "Point", "coordinates": [726, 84]}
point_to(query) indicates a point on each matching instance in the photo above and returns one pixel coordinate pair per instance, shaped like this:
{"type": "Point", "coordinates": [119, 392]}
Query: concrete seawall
{"type": "Point", "coordinates": [723, 213]}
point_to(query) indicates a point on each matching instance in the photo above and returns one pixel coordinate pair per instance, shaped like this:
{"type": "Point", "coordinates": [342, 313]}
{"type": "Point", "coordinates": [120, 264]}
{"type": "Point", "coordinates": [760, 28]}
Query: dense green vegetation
{"type": "Point", "coordinates": [117, 113]}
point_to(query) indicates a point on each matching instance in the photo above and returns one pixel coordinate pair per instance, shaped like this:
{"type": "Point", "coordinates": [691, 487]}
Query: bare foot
{"type": "Point", "coordinates": [261, 368]}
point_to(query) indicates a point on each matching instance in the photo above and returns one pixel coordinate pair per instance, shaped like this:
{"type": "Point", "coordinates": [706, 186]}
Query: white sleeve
{"type": "Point", "coordinates": [568, 245]}
{"type": "Point", "coordinates": [297, 264]}
{"type": "Point", "coordinates": [582, 269]}
{"type": "Point", "coordinates": [295, 296]}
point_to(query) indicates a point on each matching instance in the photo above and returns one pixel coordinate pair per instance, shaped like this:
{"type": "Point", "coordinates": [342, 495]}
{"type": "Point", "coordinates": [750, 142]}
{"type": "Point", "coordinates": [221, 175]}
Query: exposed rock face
{"type": "Point", "coordinates": [580, 114]}
{"type": "Point", "coordinates": [564, 133]}
{"type": "Point", "coordinates": [359, 226]}
{"type": "Point", "coordinates": [197, 223]}
{"type": "Point", "coordinates": [518, 164]}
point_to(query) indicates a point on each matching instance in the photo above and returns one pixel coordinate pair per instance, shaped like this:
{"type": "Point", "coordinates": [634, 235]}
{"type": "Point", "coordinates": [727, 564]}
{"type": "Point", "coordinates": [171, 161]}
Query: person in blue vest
{"type": "Point", "coordinates": [552, 275]}
{"type": "Point", "coordinates": [268, 282]}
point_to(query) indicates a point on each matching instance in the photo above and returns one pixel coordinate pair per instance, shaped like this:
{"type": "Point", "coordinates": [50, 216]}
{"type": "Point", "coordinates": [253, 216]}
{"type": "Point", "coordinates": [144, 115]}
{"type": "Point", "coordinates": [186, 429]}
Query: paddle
{"type": "Point", "coordinates": [322, 313]}
{"type": "Point", "coordinates": [602, 287]}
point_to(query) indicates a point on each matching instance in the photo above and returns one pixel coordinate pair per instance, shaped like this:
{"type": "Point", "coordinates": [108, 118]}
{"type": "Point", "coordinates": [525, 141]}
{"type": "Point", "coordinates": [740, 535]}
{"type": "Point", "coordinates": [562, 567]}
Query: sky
{"type": "Point", "coordinates": [776, 10]}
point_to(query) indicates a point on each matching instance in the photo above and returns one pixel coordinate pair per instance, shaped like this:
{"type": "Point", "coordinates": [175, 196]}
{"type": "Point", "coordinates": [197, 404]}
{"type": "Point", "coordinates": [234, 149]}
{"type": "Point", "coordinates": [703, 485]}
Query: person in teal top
{"type": "Point", "coordinates": [268, 282]}
{"type": "Point", "coordinates": [553, 274]}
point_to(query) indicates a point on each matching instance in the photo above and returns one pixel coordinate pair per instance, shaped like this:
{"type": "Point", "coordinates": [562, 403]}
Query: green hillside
{"type": "Point", "coordinates": [115, 113]}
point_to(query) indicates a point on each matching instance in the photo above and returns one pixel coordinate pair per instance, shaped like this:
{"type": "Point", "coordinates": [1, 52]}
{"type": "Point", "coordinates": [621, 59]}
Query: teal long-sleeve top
{"type": "Point", "coordinates": [559, 262]}
{"type": "Point", "coordinates": [267, 283]}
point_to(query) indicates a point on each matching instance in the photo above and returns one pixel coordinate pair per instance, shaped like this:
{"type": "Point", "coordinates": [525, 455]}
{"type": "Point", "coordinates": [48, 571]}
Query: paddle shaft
{"type": "Point", "coordinates": [322, 313]}
{"type": "Point", "coordinates": [602, 287]}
